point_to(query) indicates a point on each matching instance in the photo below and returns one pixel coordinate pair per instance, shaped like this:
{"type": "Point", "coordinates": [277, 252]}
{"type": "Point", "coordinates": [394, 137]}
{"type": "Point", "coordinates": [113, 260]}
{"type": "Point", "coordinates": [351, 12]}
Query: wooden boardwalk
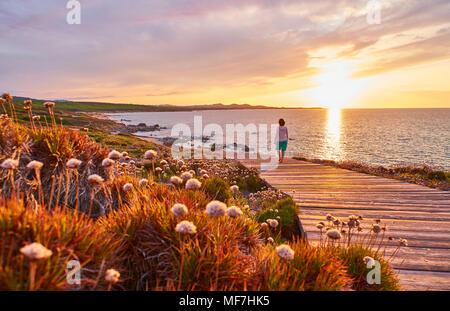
{"type": "Point", "coordinates": [419, 214]}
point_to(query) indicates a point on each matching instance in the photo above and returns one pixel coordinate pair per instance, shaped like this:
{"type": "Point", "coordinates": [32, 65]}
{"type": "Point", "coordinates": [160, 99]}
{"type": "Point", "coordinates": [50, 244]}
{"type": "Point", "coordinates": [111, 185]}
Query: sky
{"type": "Point", "coordinates": [292, 53]}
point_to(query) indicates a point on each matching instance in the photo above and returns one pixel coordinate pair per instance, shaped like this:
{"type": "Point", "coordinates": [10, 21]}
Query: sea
{"type": "Point", "coordinates": [386, 137]}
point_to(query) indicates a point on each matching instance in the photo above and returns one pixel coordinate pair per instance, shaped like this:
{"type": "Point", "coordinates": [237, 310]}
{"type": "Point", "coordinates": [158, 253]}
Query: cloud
{"type": "Point", "coordinates": [190, 46]}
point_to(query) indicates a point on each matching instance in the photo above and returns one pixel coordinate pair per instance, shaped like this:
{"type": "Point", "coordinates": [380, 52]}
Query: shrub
{"type": "Point", "coordinates": [312, 268]}
{"type": "Point", "coordinates": [353, 258]}
{"type": "Point", "coordinates": [219, 256]}
{"type": "Point", "coordinates": [69, 235]}
{"type": "Point", "coordinates": [287, 213]}
{"type": "Point", "coordinates": [217, 189]}
{"type": "Point", "coordinates": [437, 175]}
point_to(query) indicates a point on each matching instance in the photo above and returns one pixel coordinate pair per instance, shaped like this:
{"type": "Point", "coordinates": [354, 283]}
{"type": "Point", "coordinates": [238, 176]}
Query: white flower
{"type": "Point", "coordinates": [272, 222]}
{"type": "Point", "coordinates": [150, 154]}
{"type": "Point", "coordinates": [205, 176]}
{"type": "Point", "coordinates": [216, 208]}
{"type": "Point", "coordinates": [285, 252]}
{"type": "Point", "coordinates": [49, 105]}
{"type": "Point", "coordinates": [95, 180]}
{"type": "Point", "coordinates": [334, 234]}
{"type": "Point", "coordinates": [107, 162]}
{"type": "Point", "coordinates": [234, 188]}
{"type": "Point", "coordinates": [35, 165]}
{"type": "Point", "coordinates": [158, 170]}
{"type": "Point", "coordinates": [264, 225]}
{"type": "Point", "coordinates": [143, 182]}
{"type": "Point", "coordinates": [112, 276]}
{"type": "Point", "coordinates": [114, 155]}
{"type": "Point", "coordinates": [270, 240]}
{"type": "Point", "coordinates": [369, 261]}
{"type": "Point", "coordinates": [193, 184]}
{"type": "Point", "coordinates": [186, 227]}
{"type": "Point", "coordinates": [10, 164]}
{"type": "Point", "coordinates": [73, 163]}
{"type": "Point", "coordinates": [163, 162]}
{"type": "Point", "coordinates": [234, 211]}
{"type": "Point", "coordinates": [36, 118]}
{"type": "Point", "coordinates": [124, 154]}
{"type": "Point", "coordinates": [186, 176]}
{"type": "Point", "coordinates": [175, 180]}
{"type": "Point", "coordinates": [36, 251]}
{"type": "Point", "coordinates": [127, 187]}
{"type": "Point", "coordinates": [179, 210]}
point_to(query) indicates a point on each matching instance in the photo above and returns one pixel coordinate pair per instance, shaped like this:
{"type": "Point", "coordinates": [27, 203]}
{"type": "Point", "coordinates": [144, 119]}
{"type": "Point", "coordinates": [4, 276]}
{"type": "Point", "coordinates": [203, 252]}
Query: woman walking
{"type": "Point", "coordinates": [283, 138]}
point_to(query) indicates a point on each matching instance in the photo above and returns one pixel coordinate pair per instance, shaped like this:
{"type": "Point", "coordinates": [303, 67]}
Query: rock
{"type": "Point", "coordinates": [141, 127]}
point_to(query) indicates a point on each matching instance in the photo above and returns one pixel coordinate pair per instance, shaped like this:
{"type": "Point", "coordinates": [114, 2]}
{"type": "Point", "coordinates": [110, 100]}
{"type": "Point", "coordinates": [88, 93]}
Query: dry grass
{"type": "Point", "coordinates": [120, 223]}
{"type": "Point", "coordinates": [69, 235]}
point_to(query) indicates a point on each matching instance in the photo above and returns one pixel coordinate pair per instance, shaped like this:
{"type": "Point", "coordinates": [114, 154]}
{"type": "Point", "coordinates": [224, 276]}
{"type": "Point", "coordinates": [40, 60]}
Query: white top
{"type": "Point", "coordinates": [282, 133]}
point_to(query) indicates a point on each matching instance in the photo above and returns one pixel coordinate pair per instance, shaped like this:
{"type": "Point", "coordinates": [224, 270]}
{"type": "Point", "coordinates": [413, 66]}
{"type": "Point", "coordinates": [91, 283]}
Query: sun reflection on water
{"type": "Point", "coordinates": [333, 150]}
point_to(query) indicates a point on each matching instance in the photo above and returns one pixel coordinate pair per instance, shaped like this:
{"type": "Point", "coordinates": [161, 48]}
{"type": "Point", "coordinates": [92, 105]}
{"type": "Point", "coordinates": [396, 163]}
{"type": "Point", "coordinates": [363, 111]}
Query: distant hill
{"type": "Point", "coordinates": [81, 106]}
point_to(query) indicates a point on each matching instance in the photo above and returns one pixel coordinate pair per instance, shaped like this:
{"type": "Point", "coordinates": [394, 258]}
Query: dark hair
{"type": "Point", "coordinates": [281, 122]}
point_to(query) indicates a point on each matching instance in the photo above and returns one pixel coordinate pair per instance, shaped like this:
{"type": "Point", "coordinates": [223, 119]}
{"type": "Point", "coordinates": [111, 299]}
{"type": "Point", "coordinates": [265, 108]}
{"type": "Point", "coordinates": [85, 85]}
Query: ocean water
{"type": "Point", "coordinates": [374, 136]}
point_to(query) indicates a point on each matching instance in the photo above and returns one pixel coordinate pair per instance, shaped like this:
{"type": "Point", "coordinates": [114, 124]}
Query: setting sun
{"type": "Point", "coordinates": [335, 87]}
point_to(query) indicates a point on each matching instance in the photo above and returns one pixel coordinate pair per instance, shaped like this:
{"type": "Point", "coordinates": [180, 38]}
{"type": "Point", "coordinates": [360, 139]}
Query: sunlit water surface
{"type": "Point", "coordinates": [374, 136]}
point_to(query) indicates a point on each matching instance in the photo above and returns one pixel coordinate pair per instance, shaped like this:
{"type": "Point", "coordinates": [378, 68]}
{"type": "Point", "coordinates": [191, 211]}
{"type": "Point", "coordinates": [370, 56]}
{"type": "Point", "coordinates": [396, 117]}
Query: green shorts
{"type": "Point", "coordinates": [282, 145]}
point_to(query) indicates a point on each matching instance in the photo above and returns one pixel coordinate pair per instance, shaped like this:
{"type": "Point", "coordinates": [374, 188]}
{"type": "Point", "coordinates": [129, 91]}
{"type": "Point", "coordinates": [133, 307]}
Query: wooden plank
{"type": "Point", "coordinates": [414, 212]}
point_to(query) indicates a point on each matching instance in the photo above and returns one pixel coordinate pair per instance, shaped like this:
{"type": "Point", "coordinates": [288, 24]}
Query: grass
{"type": "Point", "coordinates": [120, 223]}
{"type": "Point", "coordinates": [69, 235]}
{"type": "Point", "coordinates": [285, 212]}
{"type": "Point", "coordinates": [421, 175]}
{"type": "Point", "coordinates": [217, 189]}
{"type": "Point", "coordinates": [311, 268]}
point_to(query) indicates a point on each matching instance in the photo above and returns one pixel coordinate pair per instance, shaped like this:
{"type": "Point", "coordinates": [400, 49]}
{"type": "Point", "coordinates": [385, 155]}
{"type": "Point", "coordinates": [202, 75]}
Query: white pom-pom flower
{"type": "Point", "coordinates": [127, 187]}
{"type": "Point", "coordinates": [150, 154]}
{"type": "Point", "coordinates": [186, 176]}
{"type": "Point", "coordinates": [175, 180]}
{"type": "Point", "coordinates": [333, 234]}
{"type": "Point", "coordinates": [73, 164]}
{"type": "Point", "coordinates": [272, 222]}
{"type": "Point", "coordinates": [36, 251]}
{"type": "Point", "coordinates": [114, 155]}
{"type": "Point", "coordinates": [35, 165]}
{"type": "Point", "coordinates": [95, 180]}
{"type": "Point", "coordinates": [193, 184]}
{"type": "Point", "coordinates": [234, 188]}
{"type": "Point", "coordinates": [112, 276]}
{"type": "Point", "coordinates": [179, 210]}
{"type": "Point", "coordinates": [186, 227]}
{"type": "Point", "coordinates": [285, 252]}
{"type": "Point", "coordinates": [107, 162]}
{"type": "Point", "coordinates": [143, 182]}
{"type": "Point", "coordinates": [216, 208]}
{"type": "Point", "coordinates": [234, 211]}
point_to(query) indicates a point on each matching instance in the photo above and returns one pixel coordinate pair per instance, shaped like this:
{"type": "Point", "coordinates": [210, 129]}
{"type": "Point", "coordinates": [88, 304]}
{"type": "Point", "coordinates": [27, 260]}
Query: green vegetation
{"type": "Point", "coordinates": [285, 212]}
{"type": "Point", "coordinates": [311, 268]}
{"type": "Point", "coordinates": [421, 175]}
{"type": "Point", "coordinates": [353, 257]}
{"type": "Point", "coordinates": [217, 189]}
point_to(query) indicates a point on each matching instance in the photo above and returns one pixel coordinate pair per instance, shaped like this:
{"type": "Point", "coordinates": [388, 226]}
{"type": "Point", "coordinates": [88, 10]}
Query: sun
{"type": "Point", "coordinates": [335, 87]}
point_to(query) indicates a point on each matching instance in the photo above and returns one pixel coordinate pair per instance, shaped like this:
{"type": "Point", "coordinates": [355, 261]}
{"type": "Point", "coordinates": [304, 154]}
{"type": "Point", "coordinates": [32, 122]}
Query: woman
{"type": "Point", "coordinates": [282, 139]}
